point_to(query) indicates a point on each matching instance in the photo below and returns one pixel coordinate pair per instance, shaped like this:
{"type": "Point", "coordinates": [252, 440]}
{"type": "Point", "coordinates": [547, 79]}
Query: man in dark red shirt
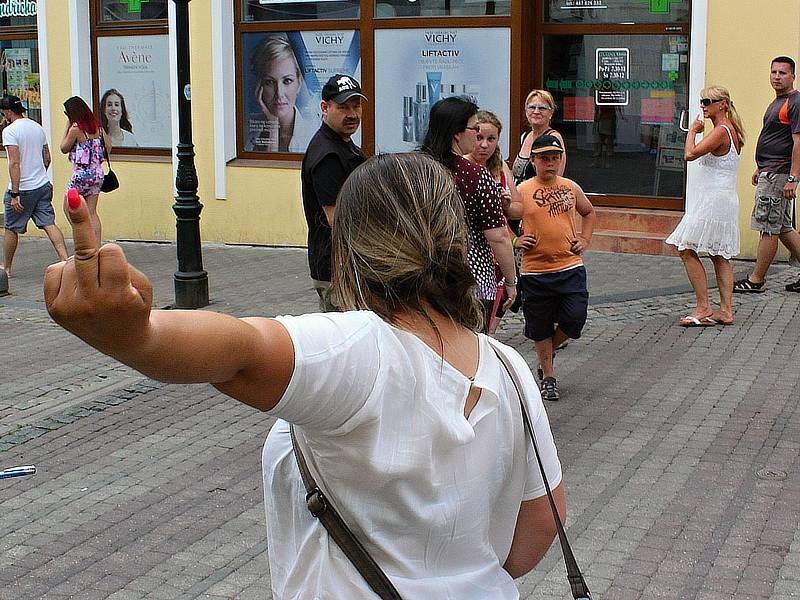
{"type": "Point", "coordinates": [776, 177]}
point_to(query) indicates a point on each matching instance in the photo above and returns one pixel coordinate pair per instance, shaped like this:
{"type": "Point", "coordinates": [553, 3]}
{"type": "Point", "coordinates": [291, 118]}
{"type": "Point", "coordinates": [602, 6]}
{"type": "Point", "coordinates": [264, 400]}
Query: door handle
{"type": "Point", "coordinates": [684, 115]}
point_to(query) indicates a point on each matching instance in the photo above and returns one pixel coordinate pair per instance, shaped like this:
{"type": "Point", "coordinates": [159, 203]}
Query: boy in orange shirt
{"type": "Point", "coordinates": [553, 278]}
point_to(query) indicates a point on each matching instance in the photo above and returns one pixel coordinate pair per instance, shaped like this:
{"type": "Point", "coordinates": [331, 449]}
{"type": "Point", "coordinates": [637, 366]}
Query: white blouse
{"type": "Point", "coordinates": [432, 495]}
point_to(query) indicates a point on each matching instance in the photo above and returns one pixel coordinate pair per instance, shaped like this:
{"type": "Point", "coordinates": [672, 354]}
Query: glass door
{"type": "Point", "coordinates": [621, 89]}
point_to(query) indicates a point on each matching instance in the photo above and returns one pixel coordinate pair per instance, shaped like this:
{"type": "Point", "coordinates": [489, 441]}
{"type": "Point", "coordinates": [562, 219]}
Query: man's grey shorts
{"type": "Point", "coordinates": [36, 204]}
{"type": "Point", "coordinates": [772, 213]}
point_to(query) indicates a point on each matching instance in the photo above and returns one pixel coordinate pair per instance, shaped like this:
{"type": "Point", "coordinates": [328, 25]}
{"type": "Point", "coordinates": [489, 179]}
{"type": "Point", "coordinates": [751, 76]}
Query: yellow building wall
{"type": "Point", "coordinates": [263, 201]}
{"type": "Point", "coordinates": [743, 37]}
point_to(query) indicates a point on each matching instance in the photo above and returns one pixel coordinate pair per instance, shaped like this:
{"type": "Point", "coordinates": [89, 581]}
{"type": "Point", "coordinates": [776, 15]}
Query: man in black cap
{"type": "Point", "coordinates": [30, 193]}
{"type": "Point", "coordinates": [330, 158]}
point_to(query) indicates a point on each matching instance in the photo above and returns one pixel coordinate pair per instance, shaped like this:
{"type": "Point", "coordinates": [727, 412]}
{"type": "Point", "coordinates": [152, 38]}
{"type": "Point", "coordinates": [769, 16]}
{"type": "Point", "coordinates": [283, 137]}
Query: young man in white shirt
{"type": "Point", "coordinates": [30, 193]}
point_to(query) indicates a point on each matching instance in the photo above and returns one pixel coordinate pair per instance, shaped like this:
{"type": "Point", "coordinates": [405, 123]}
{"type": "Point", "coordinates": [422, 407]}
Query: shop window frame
{"type": "Point", "coordinates": [99, 28]}
{"type": "Point", "coordinates": [544, 28]}
{"type": "Point", "coordinates": [366, 25]}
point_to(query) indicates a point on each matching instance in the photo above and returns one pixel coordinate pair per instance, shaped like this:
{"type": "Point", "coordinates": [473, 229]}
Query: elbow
{"type": "Point", "coordinates": [517, 566]}
{"type": "Point", "coordinates": [690, 156]}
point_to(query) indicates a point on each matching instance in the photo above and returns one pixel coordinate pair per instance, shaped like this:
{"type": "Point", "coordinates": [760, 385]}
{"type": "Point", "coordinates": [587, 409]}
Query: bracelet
{"type": "Point", "coordinates": [514, 241]}
{"type": "Point", "coordinates": [512, 283]}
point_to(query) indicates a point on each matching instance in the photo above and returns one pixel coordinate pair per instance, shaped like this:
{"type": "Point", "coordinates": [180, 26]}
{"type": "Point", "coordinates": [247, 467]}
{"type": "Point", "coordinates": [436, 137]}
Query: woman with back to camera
{"type": "Point", "coordinates": [539, 110]}
{"type": "Point", "coordinates": [711, 222]}
{"type": "Point", "coordinates": [405, 415]}
{"type": "Point", "coordinates": [487, 154]}
{"type": "Point", "coordinates": [452, 132]}
{"type": "Point", "coordinates": [278, 83]}
{"type": "Point", "coordinates": [115, 120]}
{"type": "Point", "coordinates": [84, 141]}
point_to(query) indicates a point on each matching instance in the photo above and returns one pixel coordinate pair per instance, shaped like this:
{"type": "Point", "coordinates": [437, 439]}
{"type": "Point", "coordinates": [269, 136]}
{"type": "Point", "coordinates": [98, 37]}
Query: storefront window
{"type": "Point", "coordinates": [132, 84]}
{"type": "Point", "coordinates": [19, 60]}
{"type": "Point", "coordinates": [436, 64]}
{"type": "Point", "coordinates": [19, 55]}
{"type": "Point", "coordinates": [441, 8]}
{"type": "Point", "coordinates": [616, 11]}
{"type": "Point", "coordinates": [290, 10]}
{"type": "Point", "coordinates": [621, 101]}
{"type": "Point", "coordinates": [115, 11]}
{"type": "Point", "coordinates": [282, 77]}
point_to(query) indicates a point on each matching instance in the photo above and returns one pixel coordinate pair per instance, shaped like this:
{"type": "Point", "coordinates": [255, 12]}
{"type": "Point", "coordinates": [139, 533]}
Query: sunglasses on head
{"type": "Point", "coordinates": [708, 101]}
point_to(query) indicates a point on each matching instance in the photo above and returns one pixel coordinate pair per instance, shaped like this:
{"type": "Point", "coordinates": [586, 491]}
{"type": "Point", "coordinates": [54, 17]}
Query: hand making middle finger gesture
{"type": "Point", "coordinates": [96, 294]}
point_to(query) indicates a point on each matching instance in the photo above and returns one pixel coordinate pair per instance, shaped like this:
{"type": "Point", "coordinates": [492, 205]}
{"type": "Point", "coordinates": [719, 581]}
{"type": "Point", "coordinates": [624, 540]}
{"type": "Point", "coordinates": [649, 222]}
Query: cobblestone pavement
{"type": "Point", "coordinates": [680, 447]}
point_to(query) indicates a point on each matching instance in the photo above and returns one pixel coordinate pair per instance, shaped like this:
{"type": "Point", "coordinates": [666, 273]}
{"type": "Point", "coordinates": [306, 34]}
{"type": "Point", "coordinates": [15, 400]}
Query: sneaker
{"type": "Point", "coordinates": [793, 287]}
{"type": "Point", "coordinates": [745, 286]}
{"type": "Point", "coordinates": [550, 389]}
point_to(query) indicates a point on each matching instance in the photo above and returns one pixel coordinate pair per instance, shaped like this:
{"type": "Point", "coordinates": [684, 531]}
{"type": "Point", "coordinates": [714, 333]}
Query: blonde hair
{"type": "Point", "coordinates": [399, 241]}
{"type": "Point", "coordinates": [544, 95]}
{"type": "Point", "coordinates": [494, 164]}
{"type": "Point", "coordinates": [717, 92]}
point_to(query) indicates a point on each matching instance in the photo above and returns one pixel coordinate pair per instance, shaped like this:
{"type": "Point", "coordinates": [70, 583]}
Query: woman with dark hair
{"type": "Point", "coordinates": [83, 141]}
{"type": "Point", "coordinates": [114, 119]}
{"type": "Point", "coordinates": [452, 132]}
{"type": "Point", "coordinates": [405, 416]}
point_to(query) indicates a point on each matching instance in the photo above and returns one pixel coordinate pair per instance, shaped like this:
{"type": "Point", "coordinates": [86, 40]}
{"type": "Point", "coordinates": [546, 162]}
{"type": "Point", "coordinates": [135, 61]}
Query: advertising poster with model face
{"type": "Point", "coordinates": [282, 78]}
{"type": "Point", "coordinates": [415, 68]}
{"type": "Point", "coordinates": [135, 89]}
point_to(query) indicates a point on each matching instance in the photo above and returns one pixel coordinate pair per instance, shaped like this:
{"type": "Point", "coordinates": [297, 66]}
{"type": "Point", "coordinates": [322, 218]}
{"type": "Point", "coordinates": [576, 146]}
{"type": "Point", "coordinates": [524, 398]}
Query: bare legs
{"type": "Point", "coordinates": [11, 239]}
{"type": "Point", "coordinates": [768, 247]}
{"type": "Point", "coordinates": [9, 248]}
{"type": "Point", "coordinates": [544, 350]}
{"type": "Point", "coordinates": [698, 278]}
{"type": "Point", "coordinates": [57, 239]}
{"type": "Point", "coordinates": [724, 274]}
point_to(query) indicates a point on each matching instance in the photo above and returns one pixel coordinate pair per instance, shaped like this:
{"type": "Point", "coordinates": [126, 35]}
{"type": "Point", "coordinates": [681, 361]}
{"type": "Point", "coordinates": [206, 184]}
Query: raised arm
{"type": "Point", "coordinates": [100, 298]}
{"type": "Point", "coordinates": [713, 142]}
{"type": "Point", "coordinates": [69, 138]}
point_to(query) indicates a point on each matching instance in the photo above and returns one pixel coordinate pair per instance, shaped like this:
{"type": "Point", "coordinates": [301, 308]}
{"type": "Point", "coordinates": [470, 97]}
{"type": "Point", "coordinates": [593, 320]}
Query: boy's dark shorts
{"type": "Point", "coordinates": [552, 298]}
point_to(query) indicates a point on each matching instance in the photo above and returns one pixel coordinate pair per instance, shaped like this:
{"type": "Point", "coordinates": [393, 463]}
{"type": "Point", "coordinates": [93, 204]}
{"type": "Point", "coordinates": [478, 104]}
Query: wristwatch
{"type": "Point", "coordinates": [13, 194]}
{"type": "Point", "coordinates": [791, 179]}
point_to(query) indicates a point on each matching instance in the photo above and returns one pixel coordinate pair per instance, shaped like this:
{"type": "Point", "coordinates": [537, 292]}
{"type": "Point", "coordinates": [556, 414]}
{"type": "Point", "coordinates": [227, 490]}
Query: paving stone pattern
{"type": "Point", "coordinates": [680, 447]}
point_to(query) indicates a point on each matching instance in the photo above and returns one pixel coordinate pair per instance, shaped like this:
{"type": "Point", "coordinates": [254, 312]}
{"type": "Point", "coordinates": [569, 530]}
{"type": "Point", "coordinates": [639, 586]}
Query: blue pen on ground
{"type": "Point", "coordinates": [17, 472]}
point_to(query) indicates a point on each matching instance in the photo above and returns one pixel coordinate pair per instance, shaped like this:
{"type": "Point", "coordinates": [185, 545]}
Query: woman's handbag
{"type": "Point", "coordinates": [110, 181]}
{"type": "Point", "coordinates": [320, 507]}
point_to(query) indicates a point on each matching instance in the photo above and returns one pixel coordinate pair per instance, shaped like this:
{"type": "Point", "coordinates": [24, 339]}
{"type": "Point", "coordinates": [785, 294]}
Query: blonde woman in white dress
{"type": "Point", "coordinates": [711, 223]}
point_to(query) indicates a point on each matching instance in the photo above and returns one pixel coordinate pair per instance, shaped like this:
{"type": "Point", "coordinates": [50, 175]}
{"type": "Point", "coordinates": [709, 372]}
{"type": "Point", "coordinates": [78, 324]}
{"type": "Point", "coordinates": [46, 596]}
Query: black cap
{"type": "Point", "coordinates": [546, 143]}
{"type": "Point", "coordinates": [340, 88]}
{"type": "Point", "coordinates": [11, 103]}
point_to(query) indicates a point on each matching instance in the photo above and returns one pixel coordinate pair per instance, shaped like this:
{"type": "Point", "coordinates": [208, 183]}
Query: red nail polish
{"type": "Point", "coordinates": [73, 199]}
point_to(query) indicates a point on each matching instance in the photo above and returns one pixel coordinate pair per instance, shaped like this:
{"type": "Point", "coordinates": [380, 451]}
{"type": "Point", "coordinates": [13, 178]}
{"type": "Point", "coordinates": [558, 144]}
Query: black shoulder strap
{"type": "Point", "coordinates": [105, 152]}
{"type": "Point", "coordinates": [577, 583]}
{"type": "Point", "coordinates": [319, 506]}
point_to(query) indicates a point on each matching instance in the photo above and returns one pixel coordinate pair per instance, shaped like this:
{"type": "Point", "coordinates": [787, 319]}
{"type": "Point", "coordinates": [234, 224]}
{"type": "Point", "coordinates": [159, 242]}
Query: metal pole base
{"type": "Point", "coordinates": [191, 289]}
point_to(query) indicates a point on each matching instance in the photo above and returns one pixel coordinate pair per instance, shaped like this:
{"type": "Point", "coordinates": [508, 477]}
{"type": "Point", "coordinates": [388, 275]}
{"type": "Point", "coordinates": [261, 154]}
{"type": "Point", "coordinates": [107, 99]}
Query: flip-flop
{"type": "Point", "coordinates": [692, 321]}
{"type": "Point", "coordinates": [715, 321]}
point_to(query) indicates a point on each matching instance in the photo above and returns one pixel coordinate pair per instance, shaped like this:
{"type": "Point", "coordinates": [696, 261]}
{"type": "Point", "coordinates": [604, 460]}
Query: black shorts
{"type": "Point", "coordinates": [552, 298]}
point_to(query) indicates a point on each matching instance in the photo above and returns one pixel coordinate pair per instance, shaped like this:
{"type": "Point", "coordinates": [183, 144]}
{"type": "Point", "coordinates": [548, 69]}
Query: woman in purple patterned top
{"type": "Point", "coordinates": [452, 132]}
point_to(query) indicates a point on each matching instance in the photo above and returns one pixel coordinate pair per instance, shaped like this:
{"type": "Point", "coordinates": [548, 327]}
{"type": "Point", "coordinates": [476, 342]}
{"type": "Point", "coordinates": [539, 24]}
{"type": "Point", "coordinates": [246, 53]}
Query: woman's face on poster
{"type": "Point", "coordinates": [280, 86]}
{"type": "Point", "coordinates": [113, 108]}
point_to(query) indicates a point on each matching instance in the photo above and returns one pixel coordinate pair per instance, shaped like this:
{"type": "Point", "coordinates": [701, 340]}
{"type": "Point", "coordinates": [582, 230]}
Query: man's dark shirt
{"type": "Point", "coordinates": [328, 162]}
{"type": "Point", "coordinates": [781, 120]}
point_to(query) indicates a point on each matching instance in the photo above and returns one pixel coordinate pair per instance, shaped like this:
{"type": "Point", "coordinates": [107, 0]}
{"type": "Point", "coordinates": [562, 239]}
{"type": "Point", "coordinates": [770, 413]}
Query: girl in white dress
{"type": "Point", "coordinates": [710, 224]}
